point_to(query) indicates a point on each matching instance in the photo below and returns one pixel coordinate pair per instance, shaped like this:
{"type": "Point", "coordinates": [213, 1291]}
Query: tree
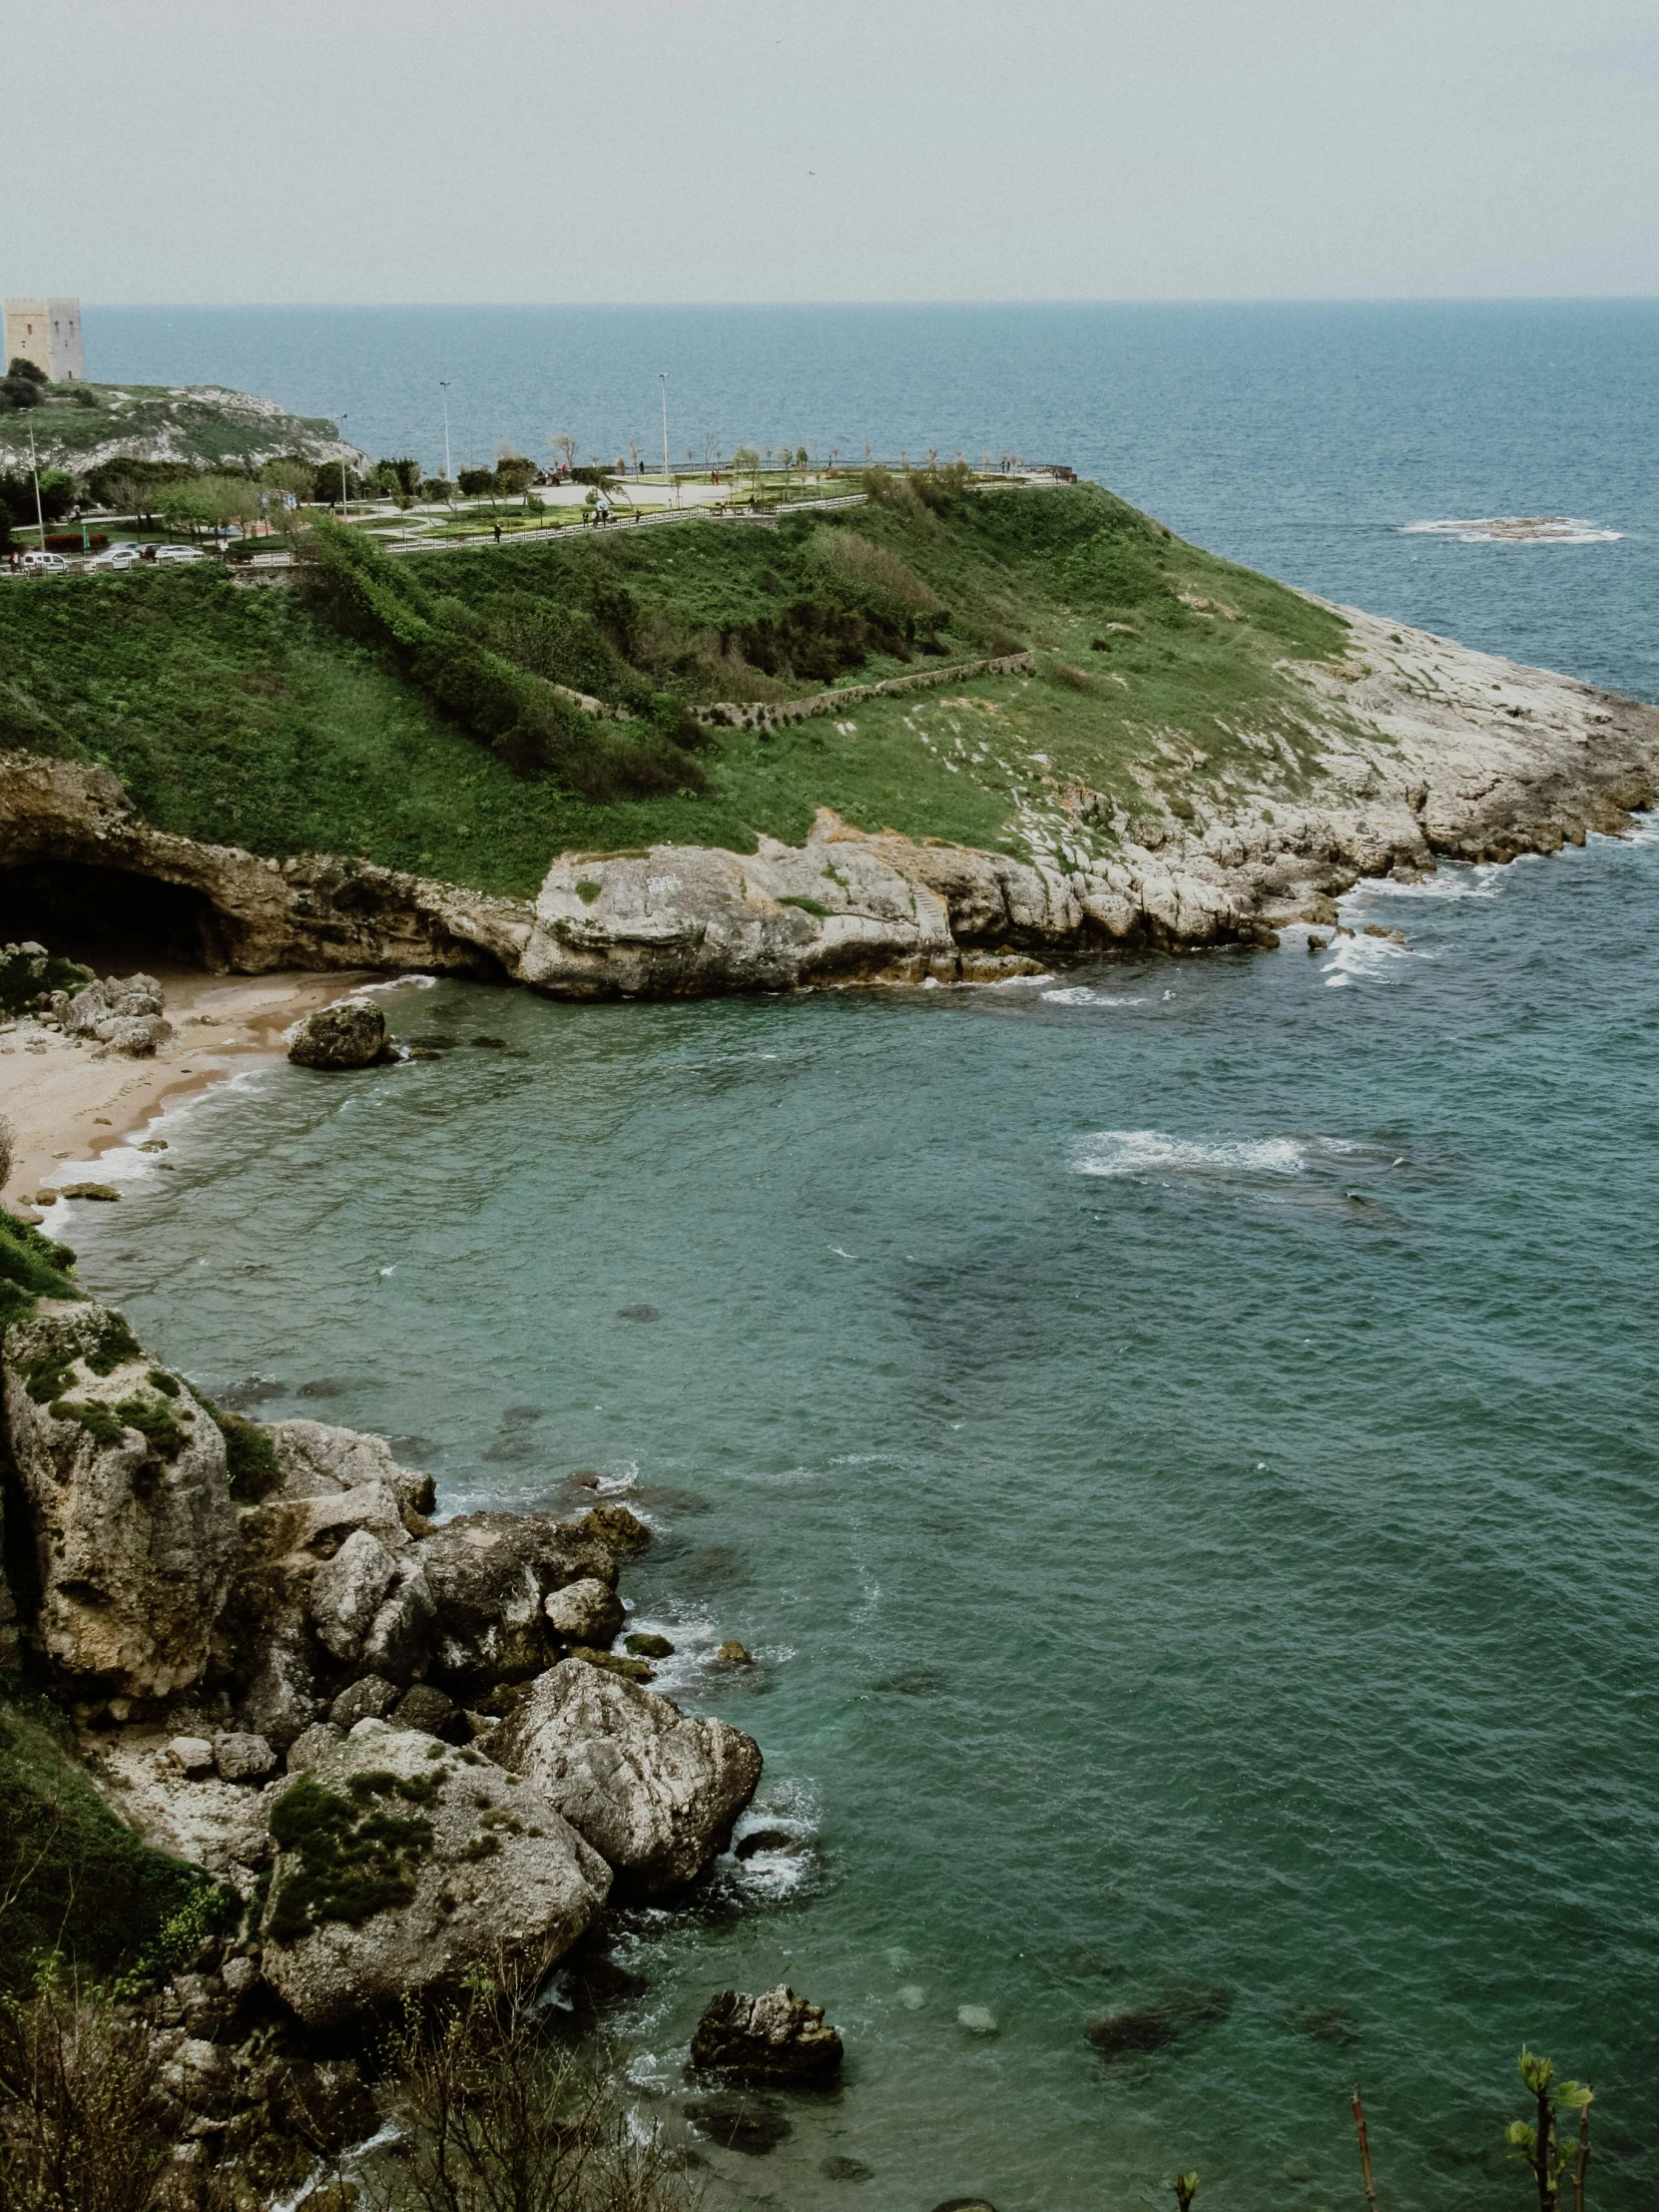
{"type": "Point", "coordinates": [514, 474]}
{"type": "Point", "coordinates": [474, 483]}
{"type": "Point", "coordinates": [208, 503]}
{"type": "Point", "coordinates": [401, 478]}
{"type": "Point", "coordinates": [1534, 2142]}
{"type": "Point", "coordinates": [325, 484]}
{"type": "Point", "coordinates": [28, 370]}
{"type": "Point", "coordinates": [565, 448]}
{"type": "Point", "coordinates": [289, 473]}
{"type": "Point", "coordinates": [17, 393]}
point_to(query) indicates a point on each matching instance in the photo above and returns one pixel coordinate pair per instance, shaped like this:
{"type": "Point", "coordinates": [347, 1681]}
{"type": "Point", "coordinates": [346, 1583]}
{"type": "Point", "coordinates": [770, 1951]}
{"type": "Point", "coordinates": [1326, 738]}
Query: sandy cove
{"type": "Point", "coordinates": [72, 1102]}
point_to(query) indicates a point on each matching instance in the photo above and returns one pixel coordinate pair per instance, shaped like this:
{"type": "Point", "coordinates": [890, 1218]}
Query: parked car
{"type": "Point", "coordinates": [177, 553]}
{"type": "Point", "coordinates": [119, 556]}
{"type": "Point", "coordinates": [44, 564]}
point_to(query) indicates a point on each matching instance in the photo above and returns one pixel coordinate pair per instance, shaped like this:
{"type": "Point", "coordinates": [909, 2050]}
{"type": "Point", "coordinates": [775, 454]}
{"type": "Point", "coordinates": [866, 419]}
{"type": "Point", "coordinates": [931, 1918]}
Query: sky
{"type": "Point", "coordinates": [409, 151]}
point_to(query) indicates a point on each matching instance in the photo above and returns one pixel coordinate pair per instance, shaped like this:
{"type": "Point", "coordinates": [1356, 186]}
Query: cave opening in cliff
{"type": "Point", "coordinates": [111, 918]}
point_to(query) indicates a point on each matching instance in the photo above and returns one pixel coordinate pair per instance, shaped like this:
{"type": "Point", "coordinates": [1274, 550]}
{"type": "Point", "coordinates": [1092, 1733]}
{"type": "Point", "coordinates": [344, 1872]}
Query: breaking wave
{"type": "Point", "coordinates": [1128, 1152]}
{"type": "Point", "coordinates": [1515, 530]}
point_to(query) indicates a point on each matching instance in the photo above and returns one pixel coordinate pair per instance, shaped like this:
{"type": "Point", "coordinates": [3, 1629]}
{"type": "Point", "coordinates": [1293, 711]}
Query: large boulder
{"type": "Point", "coordinates": [489, 1576]}
{"type": "Point", "coordinates": [775, 2037]}
{"type": "Point", "coordinates": [586, 1612]}
{"type": "Point", "coordinates": [122, 1012]}
{"type": "Point", "coordinates": [124, 1475]}
{"type": "Point", "coordinates": [295, 1608]}
{"type": "Point", "coordinates": [352, 1034]}
{"type": "Point", "coordinates": [653, 1790]}
{"type": "Point", "coordinates": [401, 1864]}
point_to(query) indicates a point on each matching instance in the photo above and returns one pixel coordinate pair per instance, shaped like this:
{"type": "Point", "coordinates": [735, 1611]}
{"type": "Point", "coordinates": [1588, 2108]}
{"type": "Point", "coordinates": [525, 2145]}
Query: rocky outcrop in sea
{"type": "Point", "coordinates": [395, 1745]}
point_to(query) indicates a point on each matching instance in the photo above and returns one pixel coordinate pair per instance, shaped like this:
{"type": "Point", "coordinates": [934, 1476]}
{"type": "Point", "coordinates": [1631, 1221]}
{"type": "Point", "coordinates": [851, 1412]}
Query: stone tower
{"type": "Point", "coordinates": [46, 332]}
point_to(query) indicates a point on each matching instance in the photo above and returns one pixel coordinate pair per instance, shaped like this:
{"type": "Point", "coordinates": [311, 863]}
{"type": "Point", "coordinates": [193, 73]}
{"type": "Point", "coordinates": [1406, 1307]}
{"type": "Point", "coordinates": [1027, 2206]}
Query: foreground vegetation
{"type": "Point", "coordinates": [414, 712]}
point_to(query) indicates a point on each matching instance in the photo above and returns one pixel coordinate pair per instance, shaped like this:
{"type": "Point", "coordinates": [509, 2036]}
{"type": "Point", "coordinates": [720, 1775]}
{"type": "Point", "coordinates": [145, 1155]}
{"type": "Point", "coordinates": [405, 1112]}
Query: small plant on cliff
{"type": "Point", "coordinates": [251, 1469]}
{"type": "Point", "coordinates": [1534, 2142]}
{"type": "Point", "coordinates": [351, 1856]}
{"type": "Point", "coordinates": [31, 1267]}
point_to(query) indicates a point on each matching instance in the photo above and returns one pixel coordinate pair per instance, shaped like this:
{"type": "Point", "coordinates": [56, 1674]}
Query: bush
{"type": "Point", "coordinates": [474, 483]}
{"type": "Point", "coordinates": [84, 2122]}
{"type": "Point", "coordinates": [497, 2116]}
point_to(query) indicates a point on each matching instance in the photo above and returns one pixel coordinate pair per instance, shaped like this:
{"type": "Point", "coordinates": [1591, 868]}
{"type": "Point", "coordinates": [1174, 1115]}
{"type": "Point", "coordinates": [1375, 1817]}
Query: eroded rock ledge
{"type": "Point", "coordinates": [1427, 750]}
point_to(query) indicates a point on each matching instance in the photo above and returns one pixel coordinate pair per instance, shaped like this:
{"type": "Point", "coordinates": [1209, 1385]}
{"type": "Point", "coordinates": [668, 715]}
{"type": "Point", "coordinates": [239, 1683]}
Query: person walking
{"type": "Point", "coordinates": [497, 529]}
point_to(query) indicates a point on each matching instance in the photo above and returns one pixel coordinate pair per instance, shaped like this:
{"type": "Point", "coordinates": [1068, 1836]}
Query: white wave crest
{"type": "Point", "coordinates": [1079, 994]}
{"type": "Point", "coordinates": [1127, 1152]}
{"type": "Point", "coordinates": [1515, 530]}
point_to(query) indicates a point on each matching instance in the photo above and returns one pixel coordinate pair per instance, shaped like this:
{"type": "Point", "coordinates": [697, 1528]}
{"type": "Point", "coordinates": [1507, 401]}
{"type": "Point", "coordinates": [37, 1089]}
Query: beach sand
{"type": "Point", "coordinates": [69, 1101]}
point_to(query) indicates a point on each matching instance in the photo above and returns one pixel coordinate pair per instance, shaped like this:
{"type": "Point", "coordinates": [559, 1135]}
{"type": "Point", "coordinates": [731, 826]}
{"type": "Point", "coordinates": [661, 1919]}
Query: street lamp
{"type": "Point", "coordinates": [34, 470]}
{"type": "Point", "coordinates": [344, 502]}
{"type": "Point", "coordinates": [662, 377]}
{"type": "Point", "coordinates": [443, 386]}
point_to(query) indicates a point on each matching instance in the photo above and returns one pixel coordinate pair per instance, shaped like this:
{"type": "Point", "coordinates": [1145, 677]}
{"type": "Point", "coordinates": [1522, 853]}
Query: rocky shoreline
{"type": "Point", "coordinates": [397, 1750]}
{"type": "Point", "coordinates": [1427, 752]}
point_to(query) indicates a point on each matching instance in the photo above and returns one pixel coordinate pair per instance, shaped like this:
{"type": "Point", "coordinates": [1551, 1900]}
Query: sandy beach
{"type": "Point", "coordinates": [70, 1101]}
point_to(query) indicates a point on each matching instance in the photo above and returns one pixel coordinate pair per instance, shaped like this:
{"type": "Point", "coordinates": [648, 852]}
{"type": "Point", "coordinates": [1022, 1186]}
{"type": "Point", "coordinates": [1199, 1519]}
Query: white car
{"type": "Point", "coordinates": [118, 556]}
{"type": "Point", "coordinates": [179, 553]}
{"type": "Point", "coordinates": [45, 564]}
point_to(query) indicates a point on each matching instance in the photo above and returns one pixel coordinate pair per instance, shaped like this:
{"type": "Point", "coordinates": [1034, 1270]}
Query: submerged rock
{"type": "Point", "coordinates": [1177, 2012]}
{"type": "Point", "coordinates": [653, 1790]}
{"type": "Point", "coordinates": [352, 1034]}
{"type": "Point", "coordinates": [776, 2036]}
{"type": "Point", "coordinates": [740, 2123]}
{"type": "Point", "coordinates": [400, 1864]}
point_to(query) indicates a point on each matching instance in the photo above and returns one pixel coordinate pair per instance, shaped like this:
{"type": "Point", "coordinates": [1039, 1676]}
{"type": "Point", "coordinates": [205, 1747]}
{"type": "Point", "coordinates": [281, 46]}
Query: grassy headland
{"type": "Point", "coordinates": [415, 711]}
{"type": "Point", "coordinates": [77, 425]}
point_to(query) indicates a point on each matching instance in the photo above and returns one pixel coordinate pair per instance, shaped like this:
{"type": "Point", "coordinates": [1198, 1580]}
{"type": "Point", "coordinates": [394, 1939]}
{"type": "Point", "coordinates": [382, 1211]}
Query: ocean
{"type": "Point", "coordinates": [1179, 1437]}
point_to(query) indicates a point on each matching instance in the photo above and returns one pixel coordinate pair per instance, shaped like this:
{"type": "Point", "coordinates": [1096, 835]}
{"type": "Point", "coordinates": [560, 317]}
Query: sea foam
{"type": "Point", "coordinates": [1515, 530]}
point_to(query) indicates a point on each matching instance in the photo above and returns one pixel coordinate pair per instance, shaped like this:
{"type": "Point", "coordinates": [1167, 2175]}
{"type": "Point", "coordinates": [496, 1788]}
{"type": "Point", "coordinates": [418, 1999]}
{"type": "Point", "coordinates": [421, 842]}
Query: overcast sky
{"type": "Point", "coordinates": [789, 149]}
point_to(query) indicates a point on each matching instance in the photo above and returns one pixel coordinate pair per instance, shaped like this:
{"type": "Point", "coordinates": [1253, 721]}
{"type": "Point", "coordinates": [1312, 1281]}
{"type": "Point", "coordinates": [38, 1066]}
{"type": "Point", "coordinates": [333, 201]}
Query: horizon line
{"type": "Point", "coordinates": [1123, 300]}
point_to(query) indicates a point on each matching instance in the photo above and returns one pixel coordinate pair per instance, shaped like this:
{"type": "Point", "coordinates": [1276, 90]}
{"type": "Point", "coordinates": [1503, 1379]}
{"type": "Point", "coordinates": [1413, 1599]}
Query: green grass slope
{"type": "Point", "coordinates": [291, 720]}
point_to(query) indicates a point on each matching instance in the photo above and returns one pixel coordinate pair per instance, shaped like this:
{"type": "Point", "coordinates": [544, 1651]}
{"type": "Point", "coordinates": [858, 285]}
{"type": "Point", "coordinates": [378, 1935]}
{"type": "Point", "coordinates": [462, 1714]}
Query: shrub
{"type": "Point", "coordinates": [84, 2123]}
{"type": "Point", "coordinates": [873, 568]}
{"type": "Point", "coordinates": [497, 2116]}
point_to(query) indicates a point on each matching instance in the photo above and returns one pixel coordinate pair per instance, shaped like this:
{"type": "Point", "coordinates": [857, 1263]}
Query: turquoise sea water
{"type": "Point", "coordinates": [1179, 1440]}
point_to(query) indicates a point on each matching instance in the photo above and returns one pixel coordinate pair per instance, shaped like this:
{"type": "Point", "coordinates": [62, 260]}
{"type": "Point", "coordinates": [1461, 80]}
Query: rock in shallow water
{"type": "Point", "coordinates": [349, 1035]}
{"type": "Point", "coordinates": [653, 1790]}
{"type": "Point", "coordinates": [775, 2037]}
{"type": "Point", "coordinates": [584, 1612]}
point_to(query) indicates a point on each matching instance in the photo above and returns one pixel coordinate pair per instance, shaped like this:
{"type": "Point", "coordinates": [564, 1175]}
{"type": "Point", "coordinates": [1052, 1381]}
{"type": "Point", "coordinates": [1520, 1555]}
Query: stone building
{"type": "Point", "coordinates": [46, 332]}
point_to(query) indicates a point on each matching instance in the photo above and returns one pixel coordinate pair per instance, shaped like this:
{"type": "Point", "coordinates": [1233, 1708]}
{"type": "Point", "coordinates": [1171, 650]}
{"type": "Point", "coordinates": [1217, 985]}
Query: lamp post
{"type": "Point", "coordinates": [662, 377]}
{"type": "Point", "coordinates": [34, 470]}
{"type": "Point", "coordinates": [344, 502]}
{"type": "Point", "coordinates": [443, 386]}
